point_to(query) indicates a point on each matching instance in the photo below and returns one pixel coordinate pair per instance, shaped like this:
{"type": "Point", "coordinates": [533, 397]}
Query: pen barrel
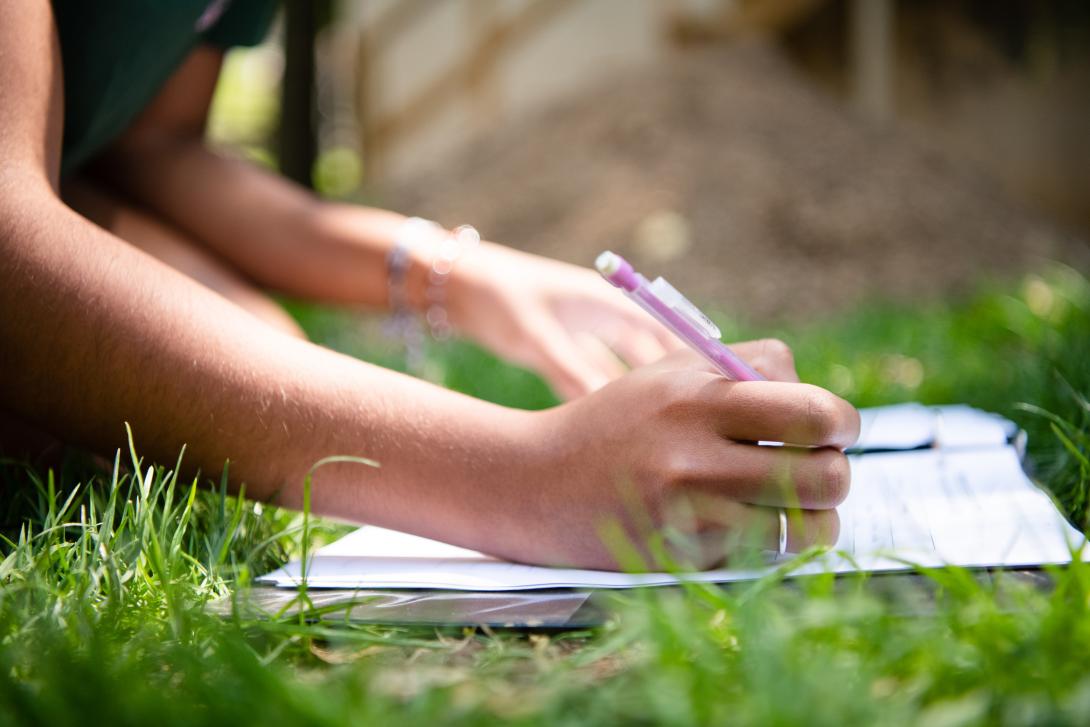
{"type": "Point", "coordinates": [728, 363]}
{"type": "Point", "coordinates": [620, 273]}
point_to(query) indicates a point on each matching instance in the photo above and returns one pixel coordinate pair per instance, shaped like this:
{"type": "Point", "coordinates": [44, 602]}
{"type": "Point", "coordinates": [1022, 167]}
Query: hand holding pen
{"type": "Point", "coordinates": [675, 443]}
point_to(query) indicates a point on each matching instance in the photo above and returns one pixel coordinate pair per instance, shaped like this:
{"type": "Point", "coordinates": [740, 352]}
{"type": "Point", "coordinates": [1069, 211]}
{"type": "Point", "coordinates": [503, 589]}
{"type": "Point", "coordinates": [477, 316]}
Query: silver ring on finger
{"type": "Point", "coordinates": [783, 531]}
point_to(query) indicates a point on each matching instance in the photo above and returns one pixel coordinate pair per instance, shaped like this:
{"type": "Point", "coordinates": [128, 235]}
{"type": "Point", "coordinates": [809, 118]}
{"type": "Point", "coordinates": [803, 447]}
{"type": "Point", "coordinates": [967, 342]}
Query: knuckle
{"type": "Point", "coordinates": [671, 387]}
{"type": "Point", "coordinates": [833, 480]}
{"type": "Point", "coordinates": [675, 394]}
{"type": "Point", "coordinates": [777, 350]}
{"type": "Point", "coordinates": [676, 470]}
{"type": "Point", "coordinates": [825, 528]}
{"type": "Point", "coordinates": [821, 414]}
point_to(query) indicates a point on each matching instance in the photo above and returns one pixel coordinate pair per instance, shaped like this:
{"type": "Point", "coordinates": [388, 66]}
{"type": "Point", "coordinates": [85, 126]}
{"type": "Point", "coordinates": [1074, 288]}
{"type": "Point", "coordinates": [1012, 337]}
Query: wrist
{"type": "Point", "coordinates": [421, 266]}
{"type": "Point", "coordinates": [409, 262]}
{"type": "Point", "coordinates": [521, 486]}
{"type": "Point", "coordinates": [475, 281]}
{"type": "Point", "coordinates": [494, 482]}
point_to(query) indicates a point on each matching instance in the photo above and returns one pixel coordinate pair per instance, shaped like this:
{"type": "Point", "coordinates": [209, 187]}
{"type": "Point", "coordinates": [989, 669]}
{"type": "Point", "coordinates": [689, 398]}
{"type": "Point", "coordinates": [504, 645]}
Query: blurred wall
{"type": "Point", "coordinates": [407, 82]}
{"type": "Point", "coordinates": [1005, 85]}
{"type": "Point", "coordinates": [500, 59]}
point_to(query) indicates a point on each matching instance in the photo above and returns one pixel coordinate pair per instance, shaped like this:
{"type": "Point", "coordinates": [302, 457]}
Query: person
{"type": "Point", "coordinates": [134, 260]}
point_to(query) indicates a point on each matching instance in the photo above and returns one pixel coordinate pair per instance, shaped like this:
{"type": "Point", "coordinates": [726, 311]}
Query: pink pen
{"type": "Point", "coordinates": [674, 311]}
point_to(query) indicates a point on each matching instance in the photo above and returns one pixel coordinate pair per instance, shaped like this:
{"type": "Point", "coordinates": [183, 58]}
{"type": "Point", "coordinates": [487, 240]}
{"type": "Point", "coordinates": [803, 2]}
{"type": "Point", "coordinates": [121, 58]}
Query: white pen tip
{"type": "Point", "coordinates": [608, 263]}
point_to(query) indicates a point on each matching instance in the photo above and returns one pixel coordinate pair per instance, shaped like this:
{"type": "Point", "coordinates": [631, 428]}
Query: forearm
{"type": "Point", "coordinates": [274, 231]}
{"type": "Point", "coordinates": [94, 334]}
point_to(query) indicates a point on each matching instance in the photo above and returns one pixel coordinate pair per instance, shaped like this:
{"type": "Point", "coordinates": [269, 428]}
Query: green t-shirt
{"type": "Point", "coordinates": [117, 54]}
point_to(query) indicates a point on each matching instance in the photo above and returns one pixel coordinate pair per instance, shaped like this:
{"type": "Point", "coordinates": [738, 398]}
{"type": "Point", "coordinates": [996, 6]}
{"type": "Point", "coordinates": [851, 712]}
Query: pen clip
{"type": "Point", "coordinates": [681, 305]}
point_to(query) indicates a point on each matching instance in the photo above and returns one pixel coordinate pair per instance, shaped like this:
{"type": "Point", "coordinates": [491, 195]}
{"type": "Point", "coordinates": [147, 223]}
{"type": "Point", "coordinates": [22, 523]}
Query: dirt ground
{"type": "Point", "coordinates": [747, 187]}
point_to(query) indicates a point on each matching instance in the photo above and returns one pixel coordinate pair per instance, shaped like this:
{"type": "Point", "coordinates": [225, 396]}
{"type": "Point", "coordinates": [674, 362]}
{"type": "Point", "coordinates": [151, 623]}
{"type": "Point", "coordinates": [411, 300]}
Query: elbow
{"type": "Point", "coordinates": [27, 198]}
{"type": "Point", "coordinates": [20, 185]}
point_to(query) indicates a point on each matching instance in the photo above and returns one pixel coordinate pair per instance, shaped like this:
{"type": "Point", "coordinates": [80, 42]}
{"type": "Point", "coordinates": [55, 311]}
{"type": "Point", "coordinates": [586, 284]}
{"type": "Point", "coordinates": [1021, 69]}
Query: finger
{"type": "Point", "coordinates": [686, 359]}
{"type": "Point", "coordinates": [774, 411]}
{"type": "Point", "coordinates": [599, 354]}
{"type": "Point", "coordinates": [638, 348]}
{"type": "Point", "coordinates": [770, 356]}
{"type": "Point", "coordinates": [719, 528]}
{"type": "Point", "coordinates": [666, 338]}
{"type": "Point", "coordinates": [807, 478]}
{"type": "Point", "coordinates": [752, 527]}
{"type": "Point", "coordinates": [564, 363]}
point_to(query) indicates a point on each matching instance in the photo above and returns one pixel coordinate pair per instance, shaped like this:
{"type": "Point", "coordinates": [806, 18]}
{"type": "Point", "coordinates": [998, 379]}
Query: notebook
{"type": "Point", "coordinates": [931, 486]}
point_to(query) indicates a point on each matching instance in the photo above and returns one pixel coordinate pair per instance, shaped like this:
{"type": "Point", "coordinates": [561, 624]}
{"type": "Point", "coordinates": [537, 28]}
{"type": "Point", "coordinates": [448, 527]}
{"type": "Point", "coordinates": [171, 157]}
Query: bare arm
{"type": "Point", "coordinates": [94, 333]}
{"type": "Point", "coordinates": [276, 232]}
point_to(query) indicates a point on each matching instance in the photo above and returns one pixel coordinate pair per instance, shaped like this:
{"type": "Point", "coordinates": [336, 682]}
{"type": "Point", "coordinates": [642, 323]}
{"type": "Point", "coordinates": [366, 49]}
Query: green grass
{"type": "Point", "coordinates": [104, 577]}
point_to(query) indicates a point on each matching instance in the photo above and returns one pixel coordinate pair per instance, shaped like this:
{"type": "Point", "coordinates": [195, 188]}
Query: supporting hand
{"type": "Point", "coordinates": [560, 320]}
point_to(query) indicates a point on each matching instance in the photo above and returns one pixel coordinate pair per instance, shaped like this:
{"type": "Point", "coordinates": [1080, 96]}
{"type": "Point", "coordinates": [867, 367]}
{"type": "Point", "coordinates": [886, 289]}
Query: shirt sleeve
{"type": "Point", "coordinates": [245, 22]}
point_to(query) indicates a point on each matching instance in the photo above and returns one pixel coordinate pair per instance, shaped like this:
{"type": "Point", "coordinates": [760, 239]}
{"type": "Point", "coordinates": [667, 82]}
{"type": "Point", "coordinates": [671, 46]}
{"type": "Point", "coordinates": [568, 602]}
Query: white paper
{"type": "Point", "coordinates": [915, 426]}
{"type": "Point", "coordinates": [902, 426]}
{"type": "Point", "coordinates": [969, 507]}
{"type": "Point", "coordinates": [963, 426]}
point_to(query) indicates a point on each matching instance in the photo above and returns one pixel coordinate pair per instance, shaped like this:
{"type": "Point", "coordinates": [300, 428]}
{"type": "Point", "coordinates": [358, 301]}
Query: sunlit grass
{"type": "Point", "coordinates": [105, 576]}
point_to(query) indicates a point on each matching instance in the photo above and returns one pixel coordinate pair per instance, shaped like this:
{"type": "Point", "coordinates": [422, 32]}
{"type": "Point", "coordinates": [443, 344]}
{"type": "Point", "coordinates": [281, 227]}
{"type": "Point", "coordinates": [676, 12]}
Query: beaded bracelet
{"type": "Point", "coordinates": [463, 239]}
{"type": "Point", "coordinates": [412, 235]}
